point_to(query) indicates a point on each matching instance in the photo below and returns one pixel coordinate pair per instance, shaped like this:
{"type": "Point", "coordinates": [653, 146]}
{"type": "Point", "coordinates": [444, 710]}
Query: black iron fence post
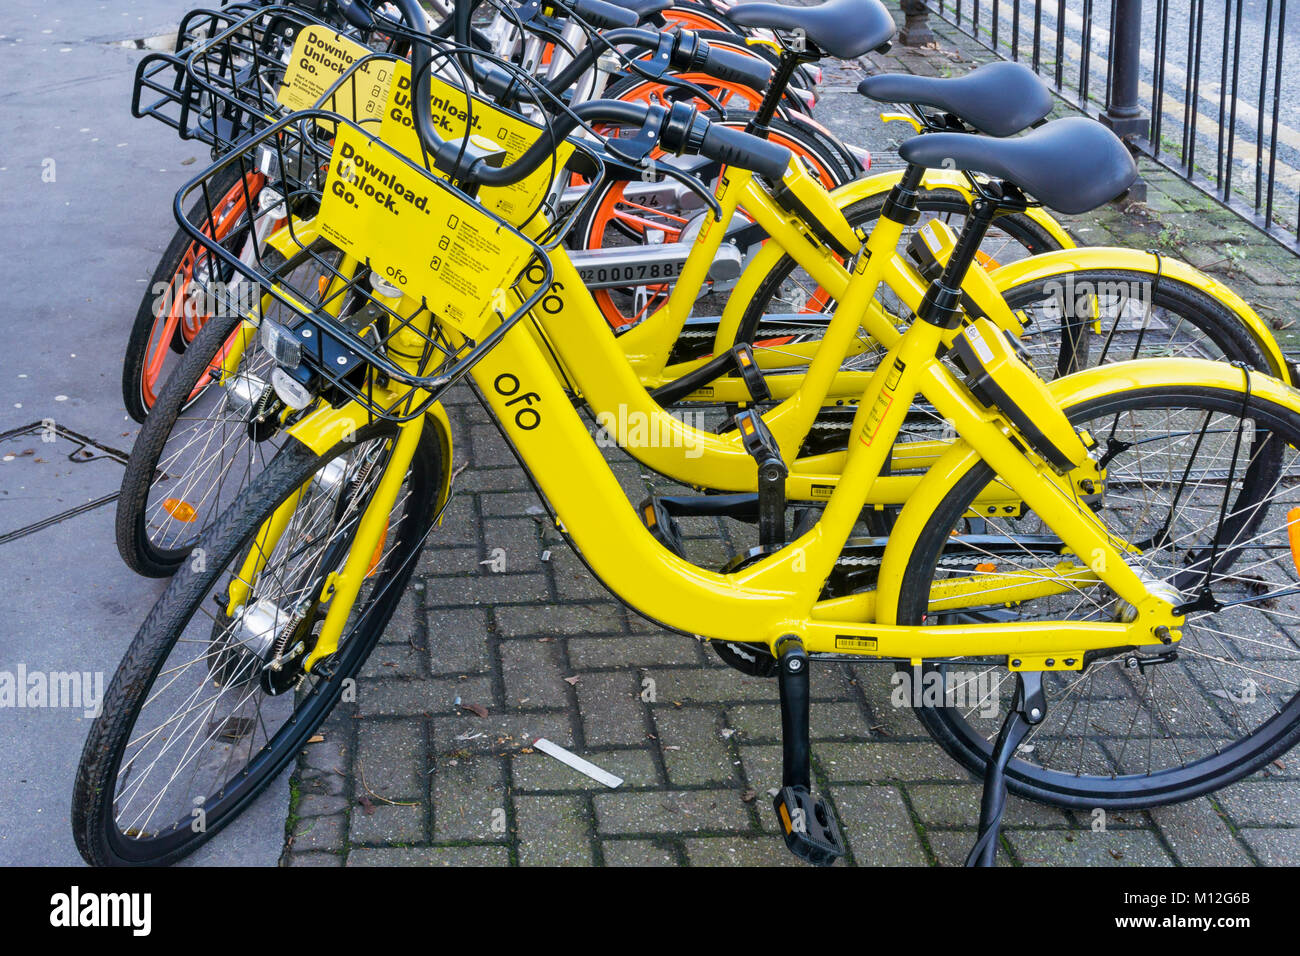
{"type": "Point", "coordinates": [1123, 114]}
{"type": "Point", "coordinates": [916, 27]}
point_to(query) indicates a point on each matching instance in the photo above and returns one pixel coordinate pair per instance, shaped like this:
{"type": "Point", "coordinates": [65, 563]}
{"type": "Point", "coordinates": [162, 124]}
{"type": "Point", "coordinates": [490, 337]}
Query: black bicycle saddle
{"type": "Point", "coordinates": [998, 98]}
{"type": "Point", "coordinates": [1072, 165]}
{"type": "Point", "coordinates": [843, 28]}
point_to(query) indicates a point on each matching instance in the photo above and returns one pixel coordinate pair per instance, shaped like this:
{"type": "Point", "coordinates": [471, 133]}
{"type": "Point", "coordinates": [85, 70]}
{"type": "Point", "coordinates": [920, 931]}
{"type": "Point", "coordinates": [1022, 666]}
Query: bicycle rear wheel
{"type": "Point", "coordinates": [1205, 485]}
{"type": "Point", "coordinates": [207, 707]}
{"type": "Point", "coordinates": [620, 216]}
{"type": "Point", "coordinates": [791, 306]}
{"type": "Point", "coordinates": [177, 301]}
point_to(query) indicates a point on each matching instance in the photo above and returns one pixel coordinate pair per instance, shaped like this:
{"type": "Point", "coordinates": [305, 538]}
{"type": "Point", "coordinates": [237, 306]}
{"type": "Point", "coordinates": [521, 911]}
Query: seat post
{"type": "Point", "coordinates": [789, 62]}
{"type": "Point", "coordinates": [941, 305]}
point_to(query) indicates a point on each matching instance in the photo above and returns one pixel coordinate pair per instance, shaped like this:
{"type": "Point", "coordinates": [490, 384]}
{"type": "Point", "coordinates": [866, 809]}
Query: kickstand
{"type": "Point", "coordinates": [1028, 710]}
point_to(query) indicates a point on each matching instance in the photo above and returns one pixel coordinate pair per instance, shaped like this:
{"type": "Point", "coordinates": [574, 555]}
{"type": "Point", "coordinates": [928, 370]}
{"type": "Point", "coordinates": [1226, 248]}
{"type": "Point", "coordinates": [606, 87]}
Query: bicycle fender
{"type": "Point", "coordinates": [325, 427]}
{"type": "Point", "coordinates": [1068, 392]}
{"type": "Point", "coordinates": [1048, 264]}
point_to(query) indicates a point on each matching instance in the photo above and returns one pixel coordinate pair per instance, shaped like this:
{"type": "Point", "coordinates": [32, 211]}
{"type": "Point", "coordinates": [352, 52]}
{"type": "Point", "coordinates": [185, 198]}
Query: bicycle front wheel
{"type": "Point", "coordinates": [1203, 484]}
{"type": "Point", "coordinates": [211, 701]}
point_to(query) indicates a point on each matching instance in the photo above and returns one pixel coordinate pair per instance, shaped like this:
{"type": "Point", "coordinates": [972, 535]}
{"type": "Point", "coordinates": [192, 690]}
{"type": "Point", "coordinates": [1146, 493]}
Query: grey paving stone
{"type": "Point", "coordinates": [314, 858]}
{"type": "Point", "coordinates": [519, 538]}
{"type": "Point", "coordinates": [553, 831]}
{"type": "Point", "coordinates": [829, 721]}
{"type": "Point", "coordinates": [699, 685]}
{"type": "Point", "coordinates": [958, 805]}
{"type": "Point", "coordinates": [762, 766]}
{"type": "Point", "coordinates": [386, 823]}
{"type": "Point", "coordinates": [321, 804]}
{"type": "Point", "coordinates": [320, 833]}
{"type": "Point", "coordinates": [694, 749]}
{"type": "Point", "coordinates": [885, 760]}
{"type": "Point", "coordinates": [458, 640]}
{"type": "Point", "coordinates": [539, 771]}
{"type": "Point", "coordinates": [1112, 847]}
{"type": "Point", "coordinates": [509, 478]}
{"type": "Point", "coordinates": [573, 582]}
{"type": "Point", "coordinates": [876, 824]}
{"type": "Point", "coordinates": [431, 856]}
{"type": "Point", "coordinates": [1254, 802]}
{"type": "Point", "coordinates": [391, 759]}
{"type": "Point", "coordinates": [1198, 835]}
{"type": "Point", "coordinates": [402, 625]}
{"type": "Point", "coordinates": [637, 853]}
{"type": "Point", "coordinates": [612, 711]}
{"type": "Point", "coordinates": [416, 698]}
{"type": "Point", "coordinates": [442, 561]}
{"type": "Point", "coordinates": [534, 674]}
{"type": "Point", "coordinates": [489, 448]}
{"type": "Point", "coordinates": [469, 800]}
{"type": "Point", "coordinates": [950, 847]}
{"type": "Point", "coordinates": [632, 650]}
{"type": "Point", "coordinates": [740, 851]}
{"type": "Point", "coordinates": [322, 782]}
{"type": "Point", "coordinates": [671, 812]}
{"type": "Point", "coordinates": [328, 755]}
{"type": "Point", "coordinates": [1274, 847]}
{"type": "Point", "coordinates": [571, 619]}
{"type": "Point", "coordinates": [500, 733]}
{"type": "Point", "coordinates": [486, 588]}
{"type": "Point", "coordinates": [509, 503]}
{"type": "Point", "coordinates": [396, 660]}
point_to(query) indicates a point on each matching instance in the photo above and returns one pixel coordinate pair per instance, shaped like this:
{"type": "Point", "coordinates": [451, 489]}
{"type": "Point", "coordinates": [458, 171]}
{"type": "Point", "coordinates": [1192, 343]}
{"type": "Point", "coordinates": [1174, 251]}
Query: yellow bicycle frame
{"type": "Point", "coordinates": [779, 595]}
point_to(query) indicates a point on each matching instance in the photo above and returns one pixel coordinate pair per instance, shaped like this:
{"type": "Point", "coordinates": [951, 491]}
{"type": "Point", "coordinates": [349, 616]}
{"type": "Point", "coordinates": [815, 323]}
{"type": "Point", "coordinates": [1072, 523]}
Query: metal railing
{"type": "Point", "coordinates": [1201, 86]}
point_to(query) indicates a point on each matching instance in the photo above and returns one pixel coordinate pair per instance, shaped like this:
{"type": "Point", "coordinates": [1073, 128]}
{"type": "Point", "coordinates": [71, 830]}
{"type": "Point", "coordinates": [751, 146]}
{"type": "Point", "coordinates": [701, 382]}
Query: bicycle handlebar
{"type": "Point", "coordinates": [605, 16]}
{"type": "Point", "coordinates": [685, 131]}
{"type": "Point", "coordinates": [692, 53]}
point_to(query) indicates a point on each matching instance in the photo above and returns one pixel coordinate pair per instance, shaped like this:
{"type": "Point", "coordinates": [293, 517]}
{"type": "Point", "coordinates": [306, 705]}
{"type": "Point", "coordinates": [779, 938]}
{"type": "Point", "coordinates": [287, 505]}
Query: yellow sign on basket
{"type": "Point", "coordinates": [418, 235]}
{"type": "Point", "coordinates": [320, 57]}
{"type": "Point", "coordinates": [455, 114]}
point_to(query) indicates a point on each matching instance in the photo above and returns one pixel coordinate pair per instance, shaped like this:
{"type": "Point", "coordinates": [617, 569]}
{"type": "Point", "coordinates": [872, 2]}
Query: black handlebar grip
{"type": "Point", "coordinates": [605, 16]}
{"type": "Point", "coordinates": [752, 72]}
{"type": "Point", "coordinates": [735, 147]}
{"type": "Point", "coordinates": [356, 14]}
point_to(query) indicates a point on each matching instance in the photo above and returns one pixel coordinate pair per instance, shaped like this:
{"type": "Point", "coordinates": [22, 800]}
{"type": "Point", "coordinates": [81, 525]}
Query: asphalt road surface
{"type": "Point", "coordinates": [85, 211]}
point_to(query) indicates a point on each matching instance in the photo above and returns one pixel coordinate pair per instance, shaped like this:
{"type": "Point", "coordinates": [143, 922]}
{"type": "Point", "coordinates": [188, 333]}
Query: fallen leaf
{"type": "Point", "coordinates": [477, 709]}
{"type": "Point", "coordinates": [316, 739]}
{"type": "Point", "coordinates": [573, 680]}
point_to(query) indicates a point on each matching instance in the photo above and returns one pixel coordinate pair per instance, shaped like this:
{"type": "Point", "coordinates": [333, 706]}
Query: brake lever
{"type": "Point", "coordinates": [694, 185]}
{"type": "Point", "coordinates": [676, 81]}
{"type": "Point", "coordinates": [635, 151]}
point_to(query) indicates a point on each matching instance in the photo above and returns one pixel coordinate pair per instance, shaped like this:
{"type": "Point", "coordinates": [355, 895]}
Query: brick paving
{"type": "Point", "coordinates": [404, 776]}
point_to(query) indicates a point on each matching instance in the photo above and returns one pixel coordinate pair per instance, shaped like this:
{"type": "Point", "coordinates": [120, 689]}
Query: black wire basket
{"type": "Point", "coordinates": [389, 316]}
{"type": "Point", "coordinates": [226, 79]}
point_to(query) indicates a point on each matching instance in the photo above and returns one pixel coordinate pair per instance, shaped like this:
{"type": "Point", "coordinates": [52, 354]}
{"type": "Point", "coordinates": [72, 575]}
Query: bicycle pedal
{"type": "Point", "coordinates": [810, 830]}
{"type": "Point", "coordinates": [747, 366]}
{"type": "Point", "coordinates": [772, 472]}
{"type": "Point", "coordinates": [662, 525]}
